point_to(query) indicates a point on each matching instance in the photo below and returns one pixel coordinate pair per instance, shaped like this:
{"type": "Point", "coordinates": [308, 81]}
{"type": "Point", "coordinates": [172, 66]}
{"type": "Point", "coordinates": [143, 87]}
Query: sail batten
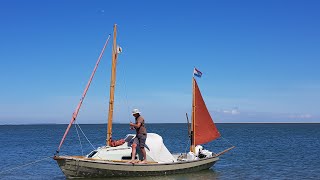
{"type": "Point", "coordinates": [204, 128]}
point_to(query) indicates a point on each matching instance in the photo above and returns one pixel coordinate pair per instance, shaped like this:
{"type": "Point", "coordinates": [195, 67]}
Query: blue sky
{"type": "Point", "coordinates": [260, 59]}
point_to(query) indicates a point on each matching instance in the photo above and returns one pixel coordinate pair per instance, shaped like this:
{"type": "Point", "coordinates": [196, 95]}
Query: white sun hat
{"type": "Point", "coordinates": [135, 111]}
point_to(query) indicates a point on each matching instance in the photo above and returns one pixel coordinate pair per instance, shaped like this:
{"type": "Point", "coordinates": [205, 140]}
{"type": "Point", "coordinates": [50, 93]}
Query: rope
{"type": "Point", "coordinates": [74, 115]}
{"type": "Point", "coordinates": [227, 141]}
{"type": "Point", "coordinates": [126, 94]}
{"type": "Point", "coordinates": [79, 139]}
{"type": "Point", "coordinates": [124, 81]}
{"type": "Point", "coordinates": [125, 90]}
{"type": "Point", "coordinates": [185, 150]}
{"type": "Point", "coordinates": [21, 166]}
{"type": "Point", "coordinates": [85, 136]}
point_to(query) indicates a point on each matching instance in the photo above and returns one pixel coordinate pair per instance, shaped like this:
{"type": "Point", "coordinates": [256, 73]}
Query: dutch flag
{"type": "Point", "coordinates": [197, 73]}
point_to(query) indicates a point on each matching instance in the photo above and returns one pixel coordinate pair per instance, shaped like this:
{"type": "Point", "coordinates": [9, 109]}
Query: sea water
{"type": "Point", "coordinates": [263, 151]}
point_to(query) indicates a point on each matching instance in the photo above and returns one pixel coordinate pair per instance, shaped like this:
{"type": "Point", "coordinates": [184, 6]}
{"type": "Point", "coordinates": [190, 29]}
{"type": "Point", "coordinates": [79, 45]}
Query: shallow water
{"type": "Point", "coordinates": [263, 151]}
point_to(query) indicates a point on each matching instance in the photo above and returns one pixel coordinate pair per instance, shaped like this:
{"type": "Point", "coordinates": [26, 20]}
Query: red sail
{"type": "Point", "coordinates": [205, 130]}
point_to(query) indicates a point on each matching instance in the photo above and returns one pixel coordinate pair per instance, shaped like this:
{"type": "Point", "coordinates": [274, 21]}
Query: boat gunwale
{"type": "Point", "coordinates": [112, 162]}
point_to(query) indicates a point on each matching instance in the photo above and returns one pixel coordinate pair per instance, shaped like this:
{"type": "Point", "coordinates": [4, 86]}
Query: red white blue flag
{"type": "Point", "coordinates": [197, 73]}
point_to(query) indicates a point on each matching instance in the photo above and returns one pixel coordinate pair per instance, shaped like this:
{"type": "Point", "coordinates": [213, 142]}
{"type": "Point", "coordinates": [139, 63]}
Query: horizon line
{"type": "Point", "coordinates": [165, 123]}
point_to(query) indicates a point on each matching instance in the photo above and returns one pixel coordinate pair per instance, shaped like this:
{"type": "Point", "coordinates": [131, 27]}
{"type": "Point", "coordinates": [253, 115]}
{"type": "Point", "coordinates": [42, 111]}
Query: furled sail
{"type": "Point", "coordinates": [204, 128]}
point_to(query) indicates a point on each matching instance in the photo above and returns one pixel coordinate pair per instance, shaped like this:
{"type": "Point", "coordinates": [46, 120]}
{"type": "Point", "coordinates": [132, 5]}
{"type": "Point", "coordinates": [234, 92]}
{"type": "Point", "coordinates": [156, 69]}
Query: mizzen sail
{"type": "Point", "coordinates": [204, 128]}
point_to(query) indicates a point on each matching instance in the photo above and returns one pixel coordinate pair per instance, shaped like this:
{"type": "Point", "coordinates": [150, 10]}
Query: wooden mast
{"type": "Point", "coordinates": [192, 147]}
{"type": "Point", "coordinates": [112, 84]}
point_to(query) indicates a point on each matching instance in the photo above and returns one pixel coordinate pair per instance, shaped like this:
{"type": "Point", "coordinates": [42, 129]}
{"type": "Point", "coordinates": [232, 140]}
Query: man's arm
{"type": "Point", "coordinates": [135, 125]}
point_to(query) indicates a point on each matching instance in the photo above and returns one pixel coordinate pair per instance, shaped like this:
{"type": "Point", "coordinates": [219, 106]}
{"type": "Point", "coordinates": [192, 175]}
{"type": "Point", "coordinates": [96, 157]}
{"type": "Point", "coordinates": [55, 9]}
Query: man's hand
{"type": "Point", "coordinates": [131, 125]}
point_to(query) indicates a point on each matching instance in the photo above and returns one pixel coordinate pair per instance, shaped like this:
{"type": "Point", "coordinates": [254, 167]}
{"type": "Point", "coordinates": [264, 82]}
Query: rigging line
{"type": "Point", "coordinates": [125, 83]}
{"type": "Point", "coordinates": [125, 89]}
{"type": "Point", "coordinates": [79, 139]}
{"type": "Point", "coordinates": [85, 136]}
{"type": "Point", "coordinates": [75, 114]}
{"type": "Point", "coordinates": [226, 140]}
{"type": "Point", "coordinates": [185, 150]}
{"type": "Point", "coordinates": [24, 165]}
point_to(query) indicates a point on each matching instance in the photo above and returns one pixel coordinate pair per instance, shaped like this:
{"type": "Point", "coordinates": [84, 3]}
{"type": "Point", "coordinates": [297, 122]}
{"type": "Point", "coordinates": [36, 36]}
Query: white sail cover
{"type": "Point", "coordinates": [158, 151]}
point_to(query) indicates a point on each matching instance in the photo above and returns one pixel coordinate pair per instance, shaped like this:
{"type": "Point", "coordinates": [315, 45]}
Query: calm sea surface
{"type": "Point", "coordinates": [263, 151]}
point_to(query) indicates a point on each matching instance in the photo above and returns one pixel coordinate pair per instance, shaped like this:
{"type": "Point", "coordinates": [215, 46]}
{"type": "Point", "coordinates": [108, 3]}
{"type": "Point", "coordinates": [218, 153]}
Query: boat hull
{"type": "Point", "coordinates": [77, 167]}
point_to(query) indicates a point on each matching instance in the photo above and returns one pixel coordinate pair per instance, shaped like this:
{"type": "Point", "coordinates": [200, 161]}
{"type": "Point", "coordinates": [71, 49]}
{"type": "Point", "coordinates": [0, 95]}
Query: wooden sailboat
{"type": "Point", "coordinates": [113, 161]}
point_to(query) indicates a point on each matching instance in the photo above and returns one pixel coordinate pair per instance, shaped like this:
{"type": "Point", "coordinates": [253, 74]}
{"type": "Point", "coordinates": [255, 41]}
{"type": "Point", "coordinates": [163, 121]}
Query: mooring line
{"type": "Point", "coordinates": [24, 165]}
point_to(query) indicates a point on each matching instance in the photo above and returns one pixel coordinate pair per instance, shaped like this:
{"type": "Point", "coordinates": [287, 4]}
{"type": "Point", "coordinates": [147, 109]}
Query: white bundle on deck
{"type": "Point", "coordinates": [158, 151]}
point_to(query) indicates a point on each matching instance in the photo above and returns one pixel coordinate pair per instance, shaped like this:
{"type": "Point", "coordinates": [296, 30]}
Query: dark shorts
{"type": "Point", "coordinates": [140, 140]}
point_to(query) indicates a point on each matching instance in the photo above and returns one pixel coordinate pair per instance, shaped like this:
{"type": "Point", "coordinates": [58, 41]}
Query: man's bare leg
{"type": "Point", "coordinates": [144, 161]}
{"type": "Point", "coordinates": [133, 154]}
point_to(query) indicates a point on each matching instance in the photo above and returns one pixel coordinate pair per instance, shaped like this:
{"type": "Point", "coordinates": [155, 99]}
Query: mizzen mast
{"type": "Point", "coordinates": [192, 147]}
{"type": "Point", "coordinates": [112, 84]}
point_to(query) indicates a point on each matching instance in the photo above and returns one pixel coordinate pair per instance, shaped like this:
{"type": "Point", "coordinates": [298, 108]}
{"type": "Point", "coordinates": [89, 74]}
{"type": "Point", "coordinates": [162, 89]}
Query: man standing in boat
{"type": "Point", "coordinates": [141, 136]}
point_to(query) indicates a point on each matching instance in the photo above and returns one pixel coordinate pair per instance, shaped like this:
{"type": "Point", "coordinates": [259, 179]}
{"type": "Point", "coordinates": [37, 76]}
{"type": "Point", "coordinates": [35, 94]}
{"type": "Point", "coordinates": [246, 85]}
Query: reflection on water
{"type": "Point", "coordinates": [204, 174]}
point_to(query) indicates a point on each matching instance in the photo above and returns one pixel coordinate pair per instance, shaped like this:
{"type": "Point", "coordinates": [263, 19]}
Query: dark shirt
{"type": "Point", "coordinates": [142, 129]}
